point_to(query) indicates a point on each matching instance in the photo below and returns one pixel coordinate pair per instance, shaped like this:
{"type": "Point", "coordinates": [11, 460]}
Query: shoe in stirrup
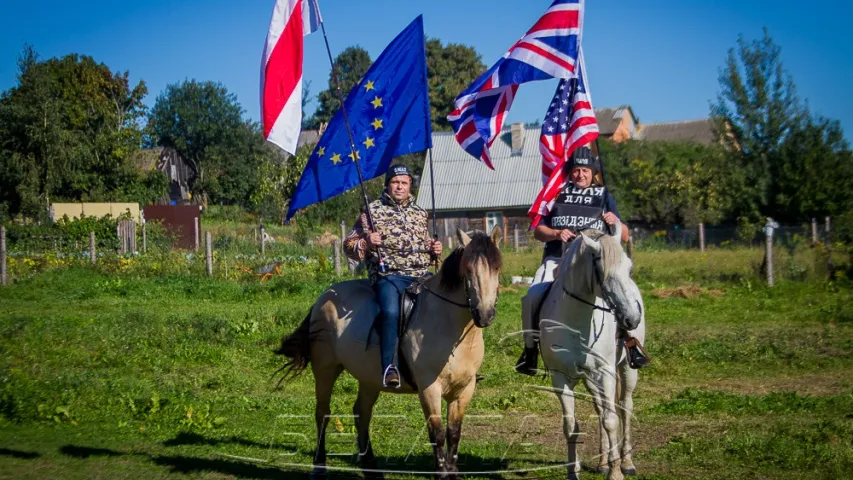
{"type": "Point", "coordinates": [528, 361]}
{"type": "Point", "coordinates": [391, 377]}
{"type": "Point", "coordinates": [637, 356]}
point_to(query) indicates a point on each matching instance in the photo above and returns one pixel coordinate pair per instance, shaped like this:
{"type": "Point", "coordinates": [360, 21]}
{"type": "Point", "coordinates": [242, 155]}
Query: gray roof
{"type": "Point", "coordinates": [463, 183]}
{"type": "Point", "coordinates": [701, 131]}
{"type": "Point", "coordinates": [607, 120]}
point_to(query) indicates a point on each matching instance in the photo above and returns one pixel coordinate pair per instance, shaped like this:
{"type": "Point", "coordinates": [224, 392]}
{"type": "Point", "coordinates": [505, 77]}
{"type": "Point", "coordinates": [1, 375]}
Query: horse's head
{"type": "Point", "coordinates": [612, 277]}
{"type": "Point", "coordinates": [476, 266]}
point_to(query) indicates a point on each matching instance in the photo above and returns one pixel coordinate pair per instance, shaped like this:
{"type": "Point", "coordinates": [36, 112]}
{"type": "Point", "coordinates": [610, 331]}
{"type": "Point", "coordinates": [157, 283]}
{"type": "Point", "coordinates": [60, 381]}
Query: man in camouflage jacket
{"type": "Point", "coordinates": [397, 251]}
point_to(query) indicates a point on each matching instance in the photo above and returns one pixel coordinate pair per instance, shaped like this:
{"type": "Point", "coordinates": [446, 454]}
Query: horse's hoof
{"type": "Point", "coordinates": [630, 471]}
{"type": "Point", "coordinates": [603, 470]}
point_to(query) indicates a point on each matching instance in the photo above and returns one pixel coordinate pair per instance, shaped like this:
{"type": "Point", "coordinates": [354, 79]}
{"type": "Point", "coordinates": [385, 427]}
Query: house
{"type": "Point", "coordinates": [699, 131]}
{"type": "Point", "coordinates": [177, 170]}
{"type": "Point", "coordinates": [617, 124]}
{"type": "Point", "coordinates": [470, 196]}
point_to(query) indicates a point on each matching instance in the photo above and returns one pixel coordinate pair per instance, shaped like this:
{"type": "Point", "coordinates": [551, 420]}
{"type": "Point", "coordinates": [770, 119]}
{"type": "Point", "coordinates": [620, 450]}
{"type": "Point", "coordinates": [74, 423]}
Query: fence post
{"type": "Point", "coordinates": [263, 240]}
{"type": "Point", "coordinates": [144, 239]}
{"type": "Point", "coordinates": [92, 254]}
{"type": "Point", "coordinates": [343, 233]}
{"type": "Point", "coordinates": [208, 254]}
{"type": "Point", "coordinates": [515, 236]}
{"type": "Point", "coordinates": [631, 246]}
{"type": "Point", "coordinates": [702, 237]}
{"type": "Point", "coordinates": [769, 259]}
{"type": "Point", "coordinates": [450, 243]}
{"type": "Point", "coordinates": [197, 228]}
{"type": "Point", "coordinates": [828, 243]}
{"type": "Point", "coordinates": [814, 231]}
{"type": "Point", "coordinates": [337, 248]}
{"type": "Point", "coordinates": [768, 231]}
{"type": "Point", "coordinates": [2, 255]}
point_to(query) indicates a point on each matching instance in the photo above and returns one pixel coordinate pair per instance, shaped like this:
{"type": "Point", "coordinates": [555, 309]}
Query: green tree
{"type": "Point", "coordinates": [350, 66]}
{"type": "Point", "coordinates": [68, 130]}
{"type": "Point", "coordinates": [782, 151]}
{"type": "Point", "coordinates": [450, 69]}
{"type": "Point", "coordinates": [203, 122]}
{"type": "Point", "coordinates": [757, 107]}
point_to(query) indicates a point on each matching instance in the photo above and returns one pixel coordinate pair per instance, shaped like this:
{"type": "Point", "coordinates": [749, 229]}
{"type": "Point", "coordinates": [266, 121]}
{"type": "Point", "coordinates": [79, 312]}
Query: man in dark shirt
{"type": "Point", "coordinates": [580, 205]}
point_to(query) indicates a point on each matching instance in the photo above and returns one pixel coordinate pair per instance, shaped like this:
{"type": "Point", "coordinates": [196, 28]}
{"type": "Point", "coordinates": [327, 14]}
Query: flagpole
{"type": "Point", "coordinates": [346, 123]}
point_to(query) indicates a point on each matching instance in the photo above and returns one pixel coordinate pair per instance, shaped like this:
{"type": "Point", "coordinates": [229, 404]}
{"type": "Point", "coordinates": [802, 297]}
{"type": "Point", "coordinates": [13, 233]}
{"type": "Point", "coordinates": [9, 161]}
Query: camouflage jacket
{"type": "Point", "coordinates": [405, 242]}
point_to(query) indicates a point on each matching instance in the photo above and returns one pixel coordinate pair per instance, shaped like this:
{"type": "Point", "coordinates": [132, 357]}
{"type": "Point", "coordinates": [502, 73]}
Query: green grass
{"type": "Point", "coordinates": [128, 375]}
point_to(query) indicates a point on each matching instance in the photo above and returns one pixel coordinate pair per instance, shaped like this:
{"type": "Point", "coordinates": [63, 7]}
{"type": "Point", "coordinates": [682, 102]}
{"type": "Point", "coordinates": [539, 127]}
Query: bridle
{"type": "Point", "coordinates": [596, 266]}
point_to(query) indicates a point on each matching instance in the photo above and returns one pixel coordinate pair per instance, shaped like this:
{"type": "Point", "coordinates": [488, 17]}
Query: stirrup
{"type": "Point", "coordinates": [391, 369]}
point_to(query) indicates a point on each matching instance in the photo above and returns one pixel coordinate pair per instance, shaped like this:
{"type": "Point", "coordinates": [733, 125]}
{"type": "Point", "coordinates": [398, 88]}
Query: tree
{"type": "Point", "coordinates": [756, 109]}
{"type": "Point", "coordinates": [68, 130]}
{"type": "Point", "coordinates": [203, 122]}
{"type": "Point", "coordinates": [450, 69]}
{"type": "Point", "coordinates": [350, 66]}
{"type": "Point", "coordinates": [774, 141]}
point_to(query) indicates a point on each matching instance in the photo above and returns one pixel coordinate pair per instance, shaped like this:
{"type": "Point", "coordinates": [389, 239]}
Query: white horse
{"type": "Point", "coordinates": [593, 292]}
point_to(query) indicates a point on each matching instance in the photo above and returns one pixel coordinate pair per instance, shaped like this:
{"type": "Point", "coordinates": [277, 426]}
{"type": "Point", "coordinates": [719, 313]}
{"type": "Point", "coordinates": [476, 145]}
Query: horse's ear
{"type": "Point", "coordinates": [595, 245]}
{"type": "Point", "coordinates": [617, 230]}
{"type": "Point", "coordinates": [497, 235]}
{"type": "Point", "coordinates": [463, 238]}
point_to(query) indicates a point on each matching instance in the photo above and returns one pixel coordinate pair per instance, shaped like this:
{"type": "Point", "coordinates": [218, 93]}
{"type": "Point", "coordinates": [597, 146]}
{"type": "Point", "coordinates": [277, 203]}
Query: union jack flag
{"type": "Point", "coordinates": [569, 124]}
{"type": "Point", "coordinates": [548, 50]}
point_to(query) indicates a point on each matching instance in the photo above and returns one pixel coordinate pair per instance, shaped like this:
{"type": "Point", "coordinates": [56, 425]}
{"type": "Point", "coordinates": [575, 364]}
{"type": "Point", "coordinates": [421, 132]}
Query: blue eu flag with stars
{"type": "Point", "coordinates": [389, 116]}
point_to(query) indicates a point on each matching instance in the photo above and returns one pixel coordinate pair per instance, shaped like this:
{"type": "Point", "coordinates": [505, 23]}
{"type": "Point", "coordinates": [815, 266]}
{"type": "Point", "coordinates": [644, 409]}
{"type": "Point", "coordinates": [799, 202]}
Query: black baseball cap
{"type": "Point", "coordinates": [395, 170]}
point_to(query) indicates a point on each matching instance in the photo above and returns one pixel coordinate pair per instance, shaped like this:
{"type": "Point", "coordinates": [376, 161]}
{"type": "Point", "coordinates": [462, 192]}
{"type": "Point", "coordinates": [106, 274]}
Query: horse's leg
{"type": "Point", "coordinates": [564, 388]}
{"type": "Point", "coordinates": [455, 412]}
{"type": "Point", "coordinates": [363, 411]}
{"type": "Point", "coordinates": [324, 381]}
{"type": "Point", "coordinates": [627, 383]}
{"type": "Point", "coordinates": [603, 392]}
{"type": "Point", "coordinates": [431, 404]}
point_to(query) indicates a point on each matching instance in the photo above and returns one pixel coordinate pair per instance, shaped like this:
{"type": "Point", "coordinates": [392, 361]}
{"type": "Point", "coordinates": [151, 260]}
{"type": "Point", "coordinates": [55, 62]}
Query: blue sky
{"type": "Point", "coordinates": [661, 56]}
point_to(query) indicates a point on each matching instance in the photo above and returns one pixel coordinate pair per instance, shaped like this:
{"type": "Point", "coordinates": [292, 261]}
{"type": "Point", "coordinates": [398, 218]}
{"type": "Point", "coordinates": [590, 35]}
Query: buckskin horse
{"type": "Point", "coordinates": [442, 348]}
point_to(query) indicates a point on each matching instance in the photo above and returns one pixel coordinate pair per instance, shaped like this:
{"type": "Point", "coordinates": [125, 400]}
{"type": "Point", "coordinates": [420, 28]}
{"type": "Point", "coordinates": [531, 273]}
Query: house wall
{"type": "Point", "coordinates": [99, 210]}
{"type": "Point", "coordinates": [513, 218]}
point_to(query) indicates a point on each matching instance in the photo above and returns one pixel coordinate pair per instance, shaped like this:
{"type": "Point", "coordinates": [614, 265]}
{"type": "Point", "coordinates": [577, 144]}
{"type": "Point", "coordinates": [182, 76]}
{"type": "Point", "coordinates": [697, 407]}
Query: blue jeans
{"type": "Point", "coordinates": [388, 291]}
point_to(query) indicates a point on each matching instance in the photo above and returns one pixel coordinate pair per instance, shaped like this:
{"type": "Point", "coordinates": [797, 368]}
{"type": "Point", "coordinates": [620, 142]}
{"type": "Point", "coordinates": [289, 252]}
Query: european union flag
{"type": "Point", "coordinates": [389, 116]}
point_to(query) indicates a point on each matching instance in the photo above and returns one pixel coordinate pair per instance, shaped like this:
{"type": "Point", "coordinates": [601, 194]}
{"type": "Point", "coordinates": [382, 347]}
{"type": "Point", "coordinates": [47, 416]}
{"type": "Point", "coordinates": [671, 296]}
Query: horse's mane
{"type": "Point", "coordinates": [456, 265]}
{"type": "Point", "coordinates": [611, 251]}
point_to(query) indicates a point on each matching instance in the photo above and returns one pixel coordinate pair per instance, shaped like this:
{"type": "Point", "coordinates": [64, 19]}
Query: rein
{"type": "Point", "coordinates": [452, 302]}
{"type": "Point", "coordinates": [596, 261]}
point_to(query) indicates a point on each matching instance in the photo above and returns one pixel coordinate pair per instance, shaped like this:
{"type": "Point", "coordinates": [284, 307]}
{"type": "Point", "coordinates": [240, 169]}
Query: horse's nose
{"type": "Point", "coordinates": [486, 318]}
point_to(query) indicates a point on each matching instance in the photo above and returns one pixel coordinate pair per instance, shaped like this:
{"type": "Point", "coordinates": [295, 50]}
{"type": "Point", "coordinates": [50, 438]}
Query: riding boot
{"type": "Point", "coordinates": [529, 361]}
{"type": "Point", "coordinates": [637, 355]}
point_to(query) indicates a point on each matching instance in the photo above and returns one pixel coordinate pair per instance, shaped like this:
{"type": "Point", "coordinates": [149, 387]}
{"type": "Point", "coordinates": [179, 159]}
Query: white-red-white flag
{"type": "Point", "coordinates": [281, 70]}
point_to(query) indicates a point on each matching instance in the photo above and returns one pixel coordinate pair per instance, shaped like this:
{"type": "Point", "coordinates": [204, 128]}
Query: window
{"type": "Point", "coordinates": [494, 219]}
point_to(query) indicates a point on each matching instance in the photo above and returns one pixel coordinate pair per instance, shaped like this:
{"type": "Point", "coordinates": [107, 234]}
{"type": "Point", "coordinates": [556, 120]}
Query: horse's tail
{"type": "Point", "coordinates": [296, 347]}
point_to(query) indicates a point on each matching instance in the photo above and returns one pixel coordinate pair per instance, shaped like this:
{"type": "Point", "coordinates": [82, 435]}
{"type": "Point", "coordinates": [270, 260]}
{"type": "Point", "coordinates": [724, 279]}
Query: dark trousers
{"type": "Point", "coordinates": [388, 291]}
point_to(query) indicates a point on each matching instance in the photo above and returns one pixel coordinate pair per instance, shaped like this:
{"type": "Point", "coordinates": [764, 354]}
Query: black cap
{"type": "Point", "coordinates": [583, 157]}
{"type": "Point", "coordinates": [395, 170]}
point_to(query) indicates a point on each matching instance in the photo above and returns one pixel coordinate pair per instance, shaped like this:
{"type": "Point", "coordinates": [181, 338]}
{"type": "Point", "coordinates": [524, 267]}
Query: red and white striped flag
{"type": "Point", "coordinates": [569, 124]}
{"type": "Point", "coordinates": [281, 70]}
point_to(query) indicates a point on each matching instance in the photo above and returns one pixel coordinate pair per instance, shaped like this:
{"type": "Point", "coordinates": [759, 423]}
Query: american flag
{"type": "Point", "coordinates": [569, 124]}
{"type": "Point", "coordinates": [548, 50]}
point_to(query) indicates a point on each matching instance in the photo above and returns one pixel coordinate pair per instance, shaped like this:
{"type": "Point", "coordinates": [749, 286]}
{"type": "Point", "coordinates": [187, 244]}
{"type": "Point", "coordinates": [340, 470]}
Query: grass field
{"type": "Point", "coordinates": [144, 374]}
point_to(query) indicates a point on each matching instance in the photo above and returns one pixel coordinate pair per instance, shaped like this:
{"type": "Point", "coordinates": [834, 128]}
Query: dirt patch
{"type": "Point", "coordinates": [690, 291]}
{"type": "Point", "coordinates": [326, 240]}
{"type": "Point", "coordinates": [507, 290]}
